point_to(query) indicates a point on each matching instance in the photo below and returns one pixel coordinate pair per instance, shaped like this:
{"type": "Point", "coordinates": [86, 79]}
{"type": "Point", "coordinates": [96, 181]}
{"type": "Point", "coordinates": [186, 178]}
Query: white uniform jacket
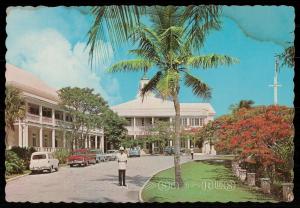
{"type": "Point", "coordinates": [122, 161]}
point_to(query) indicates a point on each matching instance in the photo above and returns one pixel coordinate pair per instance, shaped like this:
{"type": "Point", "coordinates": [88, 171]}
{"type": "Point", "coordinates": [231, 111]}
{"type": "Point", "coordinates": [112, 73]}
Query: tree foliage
{"type": "Point", "coordinates": [261, 137]}
{"type": "Point", "coordinates": [14, 108]}
{"type": "Point", "coordinates": [85, 108]}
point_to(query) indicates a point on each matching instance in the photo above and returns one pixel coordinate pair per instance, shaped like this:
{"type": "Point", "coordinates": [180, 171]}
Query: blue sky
{"type": "Point", "coordinates": [50, 42]}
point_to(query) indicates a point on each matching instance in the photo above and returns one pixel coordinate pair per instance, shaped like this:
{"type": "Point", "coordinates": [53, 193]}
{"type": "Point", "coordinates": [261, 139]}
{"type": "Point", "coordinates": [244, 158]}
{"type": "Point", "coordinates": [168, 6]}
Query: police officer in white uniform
{"type": "Point", "coordinates": [192, 152]}
{"type": "Point", "coordinates": [122, 162]}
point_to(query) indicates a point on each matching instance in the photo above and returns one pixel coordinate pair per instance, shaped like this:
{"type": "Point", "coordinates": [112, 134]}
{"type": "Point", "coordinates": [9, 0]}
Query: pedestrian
{"type": "Point", "coordinates": [192, 152]}
{"type": "Point", "coordinates": [122, 163]}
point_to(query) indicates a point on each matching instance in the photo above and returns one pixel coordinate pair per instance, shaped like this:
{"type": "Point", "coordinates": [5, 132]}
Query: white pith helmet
{"type": "Point", "coordinates": [121, 148]}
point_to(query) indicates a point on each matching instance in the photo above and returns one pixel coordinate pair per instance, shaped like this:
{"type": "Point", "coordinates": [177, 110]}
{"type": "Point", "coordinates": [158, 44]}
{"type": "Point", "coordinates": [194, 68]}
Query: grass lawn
{"type": "Point", "coordinates": [204, 181]}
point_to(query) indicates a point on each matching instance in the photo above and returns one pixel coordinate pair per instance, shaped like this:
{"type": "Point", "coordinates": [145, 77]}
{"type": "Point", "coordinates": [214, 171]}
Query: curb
{"type": "Point", "coordinates": [17, 177]}
{"type": "Point", "coordinates": [141, 189]}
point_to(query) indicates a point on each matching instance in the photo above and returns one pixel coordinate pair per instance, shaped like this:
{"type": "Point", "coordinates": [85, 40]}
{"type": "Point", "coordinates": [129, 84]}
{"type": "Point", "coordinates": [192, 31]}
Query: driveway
{"type": "Point", "coordinates": [95, 183]}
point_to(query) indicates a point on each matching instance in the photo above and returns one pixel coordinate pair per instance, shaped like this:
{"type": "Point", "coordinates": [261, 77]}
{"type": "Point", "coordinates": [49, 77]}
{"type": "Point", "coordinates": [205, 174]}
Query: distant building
{"type": "Point", "coordinates": [45, 124]}
{"type": "Point", "coordinates": [141, 115]}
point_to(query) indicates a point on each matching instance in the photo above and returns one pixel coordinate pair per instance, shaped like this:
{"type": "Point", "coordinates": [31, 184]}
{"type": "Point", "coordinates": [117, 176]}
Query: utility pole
{"type": "Point", "coordinates": [275, 85]}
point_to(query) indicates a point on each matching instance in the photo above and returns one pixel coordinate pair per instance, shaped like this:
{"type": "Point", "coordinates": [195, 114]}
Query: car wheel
{"type": "Point", "coordinates": [56, 169]}
{"type": "Point", "coordinates": [33, 172]}
{"type": "Point", "coordinates": [71, 165]}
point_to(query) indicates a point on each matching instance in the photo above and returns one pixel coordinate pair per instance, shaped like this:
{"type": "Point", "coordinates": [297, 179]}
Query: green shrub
{"type": "Point", "coordinates": [62, 155]}
{"type": "Point", "coordinates": [13, 164]}
{"type": "Point", "coordinates": [24, 154]}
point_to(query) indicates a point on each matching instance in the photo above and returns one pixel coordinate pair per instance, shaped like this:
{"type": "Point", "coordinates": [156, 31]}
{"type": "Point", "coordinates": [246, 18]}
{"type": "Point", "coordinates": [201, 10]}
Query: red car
{"type": "Point", "coordinates": [81, 157]}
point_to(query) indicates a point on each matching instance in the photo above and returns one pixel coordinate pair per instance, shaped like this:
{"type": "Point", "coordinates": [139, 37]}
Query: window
{"type": "Point", "coordinates": [201, 121]}
{"type": "Point", "coordinates": [34, 140]}
{"type": "Point", "coordinates": [38, 157]}
{"type": "Point", "coordinates": [47, 112]}
{"type": "Point", "coordinates": [194, 121]}
{"type": "Point", "coordinates": [143, 121]}
{"type": "Point", "coordinates": [128, 121]}
{"type": "Point", "coordinates": [59, 115]}
{"type": "Point", "coordinates": [183, 121]}
{"type": "Point", "coordinates": [33, 109]}
{"type": "Point", "coordinates": [68, 118]}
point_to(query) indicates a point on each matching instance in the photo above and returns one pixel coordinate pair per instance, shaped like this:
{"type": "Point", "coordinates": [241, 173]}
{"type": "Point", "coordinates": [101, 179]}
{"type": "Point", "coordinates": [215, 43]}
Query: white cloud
{"type": "Point", "coordinates": [51, 57]}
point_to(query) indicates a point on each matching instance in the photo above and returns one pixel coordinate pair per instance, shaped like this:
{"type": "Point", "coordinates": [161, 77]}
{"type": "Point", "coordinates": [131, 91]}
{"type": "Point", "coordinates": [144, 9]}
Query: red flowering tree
{"type": "Point", "coordinates": [261, 137]}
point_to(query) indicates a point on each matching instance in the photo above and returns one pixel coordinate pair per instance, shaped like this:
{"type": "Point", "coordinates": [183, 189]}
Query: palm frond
{"type": "Point", "coordinates": [130, 65]}
{"type": "Point", "coordinates": [200, 20]}
{"type": "Point", "coordinates": [211, 61]}
{"type": "Point", "coordinates": [151, 85]}
{"type": "Point", "coordinates": [112, 24]}
{"type": "Point", "coordinates": [287, 57]}
{"type": "Point", "coordinates": [199, 88]}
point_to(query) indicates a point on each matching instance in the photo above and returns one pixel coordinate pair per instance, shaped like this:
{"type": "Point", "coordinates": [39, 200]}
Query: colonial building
{"type": "Point", "coordinates": [142, 114]}
{"type": "Point", "coordinates": [45, 126]}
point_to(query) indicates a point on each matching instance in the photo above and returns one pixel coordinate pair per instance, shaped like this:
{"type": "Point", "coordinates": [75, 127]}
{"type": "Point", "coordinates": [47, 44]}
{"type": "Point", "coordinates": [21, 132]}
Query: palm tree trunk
{"type": "Point", "coordinates": [178, 179]}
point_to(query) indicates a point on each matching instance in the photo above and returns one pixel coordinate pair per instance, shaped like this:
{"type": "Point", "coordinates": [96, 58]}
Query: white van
{"type": "Point", "coordinates": [41, 161]}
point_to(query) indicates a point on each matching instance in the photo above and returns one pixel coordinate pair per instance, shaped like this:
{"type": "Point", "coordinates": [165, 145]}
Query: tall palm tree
{"type": "Point", "coordinates": [14, 109]}
{"type": "Point", "coordinates": [288, 56]}
{"type": "Point", "coordinates": [167, 47]}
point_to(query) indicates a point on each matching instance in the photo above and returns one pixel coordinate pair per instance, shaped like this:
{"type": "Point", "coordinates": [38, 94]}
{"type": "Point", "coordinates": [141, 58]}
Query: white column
{"type": "Point", "coordinates": [102, 143]}
{"type": "Point", "coordinates": [74, 146]}
{"type": "Point", "coordinates": [26, 136]}
{"type": "Point", "coordinates": [95, 141]}
{"type": "Point", "coordinates": [187, 121]}
{"type": "Point", "coordinates": [152, 120]}
{"type": "Point", "coordinates": [53, 117]}
{"type": "Point", "coordinates": [134, 124]}
{"type": "Point", "coordinates": [20, 134]}
{"type": "Point", "coordinates": [171, 143]}
{"type": "Point", "coordinates": [85, 142]}
{"type": "Point", "coordinates": [41, 138]}
{"type": "Point", "coordinates": [41, 113]}
{"type": "Point", "coordinates": [189, 144]}
{"type": "Point", "coordinates": [64, 139]}
{"type": "Point", "coordinates": [89, 141]}
{"type": "Point", "coordinates": [53, 138]}
{"type": "Point", "coordinates": [152, 147]}
{"type": "Point", "coordinates": [64, 116]}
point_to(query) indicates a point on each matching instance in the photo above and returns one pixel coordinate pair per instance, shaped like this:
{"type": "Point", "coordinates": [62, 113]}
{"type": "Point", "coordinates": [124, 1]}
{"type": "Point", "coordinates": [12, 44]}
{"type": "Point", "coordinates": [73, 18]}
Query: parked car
{"type": "Point", "coordinates": [112, 154]}
{"type": "Point", "coordinates": [134, 152]}
{"type": "Point", "coordinates": [41, 161]}
{"type": "Point", "coordinates": [81, 157]}
{"type": "Point", "coordinates": [169, 150]}
{"type": "Point", "coordinates": [100, 155]}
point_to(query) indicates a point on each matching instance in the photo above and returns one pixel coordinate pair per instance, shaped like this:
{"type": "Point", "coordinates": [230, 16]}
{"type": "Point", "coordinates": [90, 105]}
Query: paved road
{"type": "Point", "coordinates": [95, 183]}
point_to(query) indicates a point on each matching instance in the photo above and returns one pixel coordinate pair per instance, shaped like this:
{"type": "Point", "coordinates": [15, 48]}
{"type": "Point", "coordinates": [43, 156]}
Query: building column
{"type": "Point", "coordinates": [152, 148]}
{"type": "Point", "coordinates": [64, 139]}
{"type": "Point", "coordinates": [41, 138]}
{"type": "Point", "coordinates": [152, 120]}
{"type": "Point", "coordinates": [41, 113]}
{"type": "Point", "coordinates": [171, 143]}
{"type": "Point", "coordinates": [20, 134]}
{"type": "Point", "coordinates": [85, 142]}
{"type": "Point", "coordinates": [53, 138]}
{"type": "Point", "coordinates": [189, 143]}
{"type": "Point", "coordinates": [96, 141]}
{"type": "Point", "coordinates": [89, 141]}
{"type": "Point", "coordinates": [102, 143]}
{"type": "Point", "coordinates": [64, 116]}
{"type": "Point", "coordinates": [134, 125]}
{"type": "Point", "coordinates": [26, 136]}
{"type": "Point", "coordinates": [53, 117]}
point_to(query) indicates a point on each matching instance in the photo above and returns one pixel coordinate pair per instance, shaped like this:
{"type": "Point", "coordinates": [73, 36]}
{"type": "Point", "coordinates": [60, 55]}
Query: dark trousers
{"type": "Point", "coordinates": [122, 177]}
{"type": "Point", "coordinates": [192, 155]}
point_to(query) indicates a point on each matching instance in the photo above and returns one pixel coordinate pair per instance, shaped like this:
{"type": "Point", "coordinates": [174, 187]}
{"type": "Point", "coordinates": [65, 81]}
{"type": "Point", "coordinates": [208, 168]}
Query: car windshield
{"type": "Point", "coordinates": [37, 157]}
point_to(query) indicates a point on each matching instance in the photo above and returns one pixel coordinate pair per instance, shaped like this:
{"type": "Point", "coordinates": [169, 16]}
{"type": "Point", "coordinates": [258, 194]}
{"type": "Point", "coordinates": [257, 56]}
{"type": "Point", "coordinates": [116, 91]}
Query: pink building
{"type": "Point", "coordinates": [46, 125]}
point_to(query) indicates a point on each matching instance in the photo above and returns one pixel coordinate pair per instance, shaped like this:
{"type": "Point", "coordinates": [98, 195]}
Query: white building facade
{"type": "Point", "coordinates": [142, 114]}
{"type": "Point", "coordinates": [46, 126]}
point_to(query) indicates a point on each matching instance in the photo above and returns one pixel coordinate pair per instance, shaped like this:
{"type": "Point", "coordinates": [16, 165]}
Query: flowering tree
{"type": "Point", "coordinates": [259, 136]}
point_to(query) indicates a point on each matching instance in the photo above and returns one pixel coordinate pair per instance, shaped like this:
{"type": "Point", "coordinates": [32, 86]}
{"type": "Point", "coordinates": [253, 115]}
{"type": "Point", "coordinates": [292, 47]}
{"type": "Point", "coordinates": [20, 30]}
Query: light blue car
{"type": "Point", "coordinates": [134, 152]}
{"type": "Point", "coordinates": [100, 156]}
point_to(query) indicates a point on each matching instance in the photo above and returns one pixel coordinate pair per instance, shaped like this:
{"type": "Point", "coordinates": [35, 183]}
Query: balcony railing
{"type": "Point", "coordinates": [47, 120]}
{"type": "Point", "coordinates": [48, 149]}
{"type": "Point", "coordinates": [32, 117]}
